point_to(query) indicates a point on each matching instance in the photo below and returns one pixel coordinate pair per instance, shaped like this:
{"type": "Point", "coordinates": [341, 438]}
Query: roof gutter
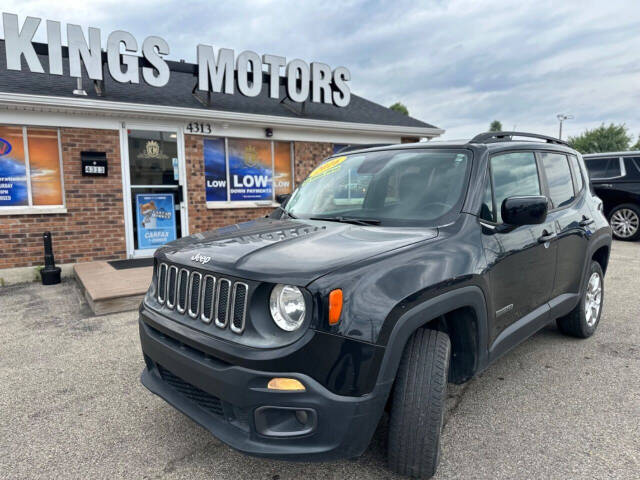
{"type": "Point", "coordinates": [109, 107]}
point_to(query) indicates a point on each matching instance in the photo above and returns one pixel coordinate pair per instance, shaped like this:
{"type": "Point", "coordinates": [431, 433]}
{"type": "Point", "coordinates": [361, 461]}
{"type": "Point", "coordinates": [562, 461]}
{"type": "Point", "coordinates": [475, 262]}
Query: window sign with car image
{"type": "Point", "coordinates": [156, 219]}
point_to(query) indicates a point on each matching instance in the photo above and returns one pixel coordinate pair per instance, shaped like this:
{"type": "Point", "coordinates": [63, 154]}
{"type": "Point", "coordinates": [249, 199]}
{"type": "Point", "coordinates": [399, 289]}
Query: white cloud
{"type": "Point", "coordinates": [456, 64]}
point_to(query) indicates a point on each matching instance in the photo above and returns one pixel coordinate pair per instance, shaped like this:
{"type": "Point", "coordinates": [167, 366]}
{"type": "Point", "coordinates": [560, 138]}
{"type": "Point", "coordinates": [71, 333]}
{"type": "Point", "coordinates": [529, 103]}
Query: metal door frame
{"type": "Point", "coordinates": [127, 197]}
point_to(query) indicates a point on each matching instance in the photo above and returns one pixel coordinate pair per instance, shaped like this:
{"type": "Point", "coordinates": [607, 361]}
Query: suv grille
{"type": "Point", "coordinates": [204, 296]}
{"type": "Point", "coordinates": [203, 399]}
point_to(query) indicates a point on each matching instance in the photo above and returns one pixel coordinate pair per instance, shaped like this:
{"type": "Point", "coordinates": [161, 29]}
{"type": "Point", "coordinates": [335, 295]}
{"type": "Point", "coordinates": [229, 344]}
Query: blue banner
{"type": "Point", "coordinates": [215, 170]}
{"type": "Point", "coordinates": [250, 170]}
{"type": "Point", "coordinates": [13, 174]}
{"type": "Point", "coordinates": [156, 219]}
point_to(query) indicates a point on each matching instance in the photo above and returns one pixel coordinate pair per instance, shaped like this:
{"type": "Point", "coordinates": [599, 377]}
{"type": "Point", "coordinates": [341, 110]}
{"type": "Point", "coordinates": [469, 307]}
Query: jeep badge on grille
{"type": "Point", "coordinates": [198, 257]}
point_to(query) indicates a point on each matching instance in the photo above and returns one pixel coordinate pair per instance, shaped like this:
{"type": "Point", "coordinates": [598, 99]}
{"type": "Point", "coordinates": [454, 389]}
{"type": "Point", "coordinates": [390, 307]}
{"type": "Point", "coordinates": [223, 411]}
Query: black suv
{"type": "Point", "coordinates": [615, 178]}
{"type": "Point", "coordinates": [389, 272]}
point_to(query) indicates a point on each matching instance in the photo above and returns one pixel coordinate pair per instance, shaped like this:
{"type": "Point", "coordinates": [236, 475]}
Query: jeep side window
{"type": "Point", "coordinates": [556, 168]}
{"type": "Point", "coordinates": [578, 181]}
{"type": "Point", "coordinates": [513, 174]}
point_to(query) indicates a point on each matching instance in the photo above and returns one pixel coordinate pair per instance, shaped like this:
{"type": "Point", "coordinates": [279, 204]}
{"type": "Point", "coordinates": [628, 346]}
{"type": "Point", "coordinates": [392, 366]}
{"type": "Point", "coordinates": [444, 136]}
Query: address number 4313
{"type": "Point", "coordinates": [199, 127]}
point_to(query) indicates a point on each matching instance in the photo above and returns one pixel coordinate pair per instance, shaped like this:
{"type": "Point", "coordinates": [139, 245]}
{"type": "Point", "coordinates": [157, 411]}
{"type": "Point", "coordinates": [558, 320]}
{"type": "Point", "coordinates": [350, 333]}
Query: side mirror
{"type": "Point", "coordinates": [283, 198]}
{"type": "Point", "coordinates": [524, 210]}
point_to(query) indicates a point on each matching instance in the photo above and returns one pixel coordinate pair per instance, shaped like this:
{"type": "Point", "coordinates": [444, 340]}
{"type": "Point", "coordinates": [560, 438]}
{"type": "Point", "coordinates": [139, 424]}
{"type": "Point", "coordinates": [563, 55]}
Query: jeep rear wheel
{"type": "Point", "coordinates": [583, 320]}
{"type": "Point", "coordinates": [418, 404]}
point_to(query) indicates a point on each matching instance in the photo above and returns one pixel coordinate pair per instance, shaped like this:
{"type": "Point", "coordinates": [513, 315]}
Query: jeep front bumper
{"type": "Point", "coordinates": [234, 404]}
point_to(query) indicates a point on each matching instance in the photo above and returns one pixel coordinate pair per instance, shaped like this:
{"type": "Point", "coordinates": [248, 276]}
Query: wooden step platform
{"type": "Point", "coordinates": [111, 290]}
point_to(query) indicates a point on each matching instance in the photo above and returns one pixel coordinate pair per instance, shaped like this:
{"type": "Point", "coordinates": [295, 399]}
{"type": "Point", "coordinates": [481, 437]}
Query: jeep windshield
{"type": "Point", "coordinates": [392, 187]}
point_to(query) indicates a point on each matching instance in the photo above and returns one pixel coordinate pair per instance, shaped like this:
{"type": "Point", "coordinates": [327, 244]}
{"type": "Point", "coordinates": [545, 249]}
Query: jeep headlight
{"type": "Point", "coordinates": [287, 307]}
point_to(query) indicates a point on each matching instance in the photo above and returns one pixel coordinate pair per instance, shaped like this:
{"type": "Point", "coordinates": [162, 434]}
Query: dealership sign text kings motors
{"type": "Point", "coordinates": [223, 72]}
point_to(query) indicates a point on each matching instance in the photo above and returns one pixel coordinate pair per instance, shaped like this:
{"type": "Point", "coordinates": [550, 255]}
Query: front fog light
{"type": "Point", "coordinates": [287, 307]}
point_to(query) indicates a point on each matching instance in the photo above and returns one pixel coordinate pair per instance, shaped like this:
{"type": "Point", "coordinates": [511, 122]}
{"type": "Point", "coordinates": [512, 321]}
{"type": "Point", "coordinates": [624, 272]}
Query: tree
{"type": "Point", "coordinates": [496, 126]}
{"type": "Point", "coordinates": [636, 146]}
{"type": "Point", "coordinates": [400, 107]}
{"type": "Point", "coordinates": [613, 138]}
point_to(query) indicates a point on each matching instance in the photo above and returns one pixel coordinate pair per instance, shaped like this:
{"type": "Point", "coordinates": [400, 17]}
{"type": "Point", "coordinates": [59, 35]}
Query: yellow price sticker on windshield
{"type": "Point", "coordinates": [326, 168]}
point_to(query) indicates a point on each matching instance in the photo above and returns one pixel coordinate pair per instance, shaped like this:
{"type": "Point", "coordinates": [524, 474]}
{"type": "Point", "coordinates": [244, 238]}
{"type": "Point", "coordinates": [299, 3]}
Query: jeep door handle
{"type": "Point", "coordinates": [546, 237]}
{"type": "Point", "coordinates": [586, 221]}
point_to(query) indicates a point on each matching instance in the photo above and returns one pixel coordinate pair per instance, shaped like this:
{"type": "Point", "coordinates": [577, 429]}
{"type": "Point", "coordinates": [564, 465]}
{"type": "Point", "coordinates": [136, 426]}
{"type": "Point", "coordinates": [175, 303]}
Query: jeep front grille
{"type": "Point", "coordinates": [239, 303]}
{"type": "Point", "coordinates": [222, 310]}
{"type": "Point", "coordinates": [183, 279]}
{"type": "Point", "coordinates": [203, 399]}
{"type": "Point", "coordinates": [204, 297]}
{"type": "Point", "coordinates": [207, 299]}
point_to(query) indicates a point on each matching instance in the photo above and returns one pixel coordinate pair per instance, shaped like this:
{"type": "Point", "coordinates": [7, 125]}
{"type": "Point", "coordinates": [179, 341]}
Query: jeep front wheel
{"type": "Point", "coordinates": [418, 404]}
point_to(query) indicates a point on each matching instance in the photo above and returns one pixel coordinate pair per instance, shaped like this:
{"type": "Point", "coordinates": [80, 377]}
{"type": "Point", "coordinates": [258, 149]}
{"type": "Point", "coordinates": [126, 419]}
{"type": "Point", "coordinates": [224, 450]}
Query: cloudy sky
{"type": "Point", "coordinates": [456, 64]}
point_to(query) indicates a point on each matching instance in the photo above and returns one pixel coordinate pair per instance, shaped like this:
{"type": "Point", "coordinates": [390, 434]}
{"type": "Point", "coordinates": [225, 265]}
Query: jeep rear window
{"type": "Point", "coordinates": [413, 186]}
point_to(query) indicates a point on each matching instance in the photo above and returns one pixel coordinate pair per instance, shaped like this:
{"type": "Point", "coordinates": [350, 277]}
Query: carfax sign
{"type": "Point", "coordinates": [156, 219]}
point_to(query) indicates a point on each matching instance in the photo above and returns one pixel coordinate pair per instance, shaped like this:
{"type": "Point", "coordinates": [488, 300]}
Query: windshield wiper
{"type": "Point", "coordinates": [290, 215]}
{"type": "Point", "coordinates": [354, 220]}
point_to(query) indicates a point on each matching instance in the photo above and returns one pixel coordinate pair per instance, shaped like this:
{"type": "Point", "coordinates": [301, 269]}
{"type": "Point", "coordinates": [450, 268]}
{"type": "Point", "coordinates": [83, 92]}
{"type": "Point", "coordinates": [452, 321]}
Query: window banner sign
{"type": "Point", "coordinates": [156, 219]}
{"type": "Point", "coordinates": [250, 170]}
{"type": "Point", "coordinates": [44, 165]}
{"type": "Point", "coordinates": [215, 170]}
{"type": "Point", "coordinates": [13, 173]}
{"type": "Point", "coordinates": [282, 177]}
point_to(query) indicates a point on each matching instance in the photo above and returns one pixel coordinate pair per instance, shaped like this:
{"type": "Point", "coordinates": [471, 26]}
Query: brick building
{"type": "Point", "coordinates": [84, 163]}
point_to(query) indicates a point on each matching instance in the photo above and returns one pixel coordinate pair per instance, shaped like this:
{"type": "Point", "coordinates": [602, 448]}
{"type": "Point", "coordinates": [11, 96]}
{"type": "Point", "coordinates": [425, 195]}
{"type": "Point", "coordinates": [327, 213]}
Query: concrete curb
{"type": "Point", "coordinates": [11, 276]}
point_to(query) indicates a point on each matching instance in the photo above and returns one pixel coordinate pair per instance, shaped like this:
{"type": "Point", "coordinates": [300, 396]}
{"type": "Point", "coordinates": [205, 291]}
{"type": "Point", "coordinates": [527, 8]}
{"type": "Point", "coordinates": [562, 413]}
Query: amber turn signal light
{"type": "Point", "coordinates": [335, 306]}
{"type": "Point", "coordinates": [289, 384]}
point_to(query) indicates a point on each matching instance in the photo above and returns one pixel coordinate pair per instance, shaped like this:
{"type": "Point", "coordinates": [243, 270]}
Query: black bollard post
{"type": "Point", "coordinates": [50, 274]}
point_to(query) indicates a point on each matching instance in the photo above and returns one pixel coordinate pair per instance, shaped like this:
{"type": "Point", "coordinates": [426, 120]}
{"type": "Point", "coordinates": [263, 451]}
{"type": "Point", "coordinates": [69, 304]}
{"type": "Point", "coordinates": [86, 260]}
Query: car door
{"type": "Point", "coordinates": [521, 260]}
{"type": "Point", "coordinates": [571, 216]}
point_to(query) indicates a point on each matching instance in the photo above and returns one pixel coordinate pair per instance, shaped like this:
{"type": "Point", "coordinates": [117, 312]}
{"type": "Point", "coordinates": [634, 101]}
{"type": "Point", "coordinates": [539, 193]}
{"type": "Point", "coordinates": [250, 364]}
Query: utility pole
{"type": "Point", "coordinates": [561, 118]}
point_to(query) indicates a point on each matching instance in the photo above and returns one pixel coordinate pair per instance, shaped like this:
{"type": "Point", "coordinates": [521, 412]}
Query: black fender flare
{"type": "Point", "coordinates": [470, 296]}
{"type": "Point", "coordinates": [603, 240]}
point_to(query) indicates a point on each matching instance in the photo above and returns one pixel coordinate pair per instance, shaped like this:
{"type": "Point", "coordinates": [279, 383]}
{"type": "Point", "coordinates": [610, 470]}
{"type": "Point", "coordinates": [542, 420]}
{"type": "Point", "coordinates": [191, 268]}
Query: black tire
{"type": "Point", "coordinates": [576, 322]}
{"type": "Point", "coordinates": [630, 212]}
{"type": "Point", "coordinates": [418, 404]}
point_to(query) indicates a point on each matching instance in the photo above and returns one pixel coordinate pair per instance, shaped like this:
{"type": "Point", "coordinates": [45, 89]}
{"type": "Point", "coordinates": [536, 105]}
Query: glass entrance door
{"type": "Point", "coordinates": [156, 193]}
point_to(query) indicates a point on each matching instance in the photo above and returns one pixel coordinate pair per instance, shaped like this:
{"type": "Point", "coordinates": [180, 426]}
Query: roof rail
{"type": "Point", "coordinates": [493, 137]}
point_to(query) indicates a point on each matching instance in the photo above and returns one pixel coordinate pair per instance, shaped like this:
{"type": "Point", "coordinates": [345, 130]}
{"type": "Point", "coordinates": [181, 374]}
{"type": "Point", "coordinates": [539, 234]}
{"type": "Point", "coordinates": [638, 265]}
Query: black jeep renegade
{"type": "Point", "coordinates": [389, 272]}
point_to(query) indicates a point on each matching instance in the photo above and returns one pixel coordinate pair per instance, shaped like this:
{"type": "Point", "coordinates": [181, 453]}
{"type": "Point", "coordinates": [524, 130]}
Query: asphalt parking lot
{"type": "Point", "coordinates": [72, 405]}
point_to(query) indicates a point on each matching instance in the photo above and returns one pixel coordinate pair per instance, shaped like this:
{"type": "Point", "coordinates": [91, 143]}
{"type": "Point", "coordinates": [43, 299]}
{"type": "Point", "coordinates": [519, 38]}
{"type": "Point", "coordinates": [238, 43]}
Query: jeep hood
{"type": "Point", "coordinates": [287, 251]}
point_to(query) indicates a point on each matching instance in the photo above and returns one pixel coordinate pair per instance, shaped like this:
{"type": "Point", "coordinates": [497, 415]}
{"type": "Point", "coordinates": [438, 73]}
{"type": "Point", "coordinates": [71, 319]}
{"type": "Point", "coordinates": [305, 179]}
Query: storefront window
{"type": "Point", "coordinates": [44, 165]}
{"type": "Point", "coordinates": [243, 170]}
{"type": "Point", "coordinates": [31, 176]}
{"type": "Point", "coordinates": [153, 158]}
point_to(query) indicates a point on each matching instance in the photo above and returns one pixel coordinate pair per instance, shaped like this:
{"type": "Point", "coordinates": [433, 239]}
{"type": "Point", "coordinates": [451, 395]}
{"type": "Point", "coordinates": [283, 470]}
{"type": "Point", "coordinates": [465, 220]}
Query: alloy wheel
{"type": "Point", "coordinates": [625, 223]}
{"type": "Point", "coordinates": [593, 301]}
